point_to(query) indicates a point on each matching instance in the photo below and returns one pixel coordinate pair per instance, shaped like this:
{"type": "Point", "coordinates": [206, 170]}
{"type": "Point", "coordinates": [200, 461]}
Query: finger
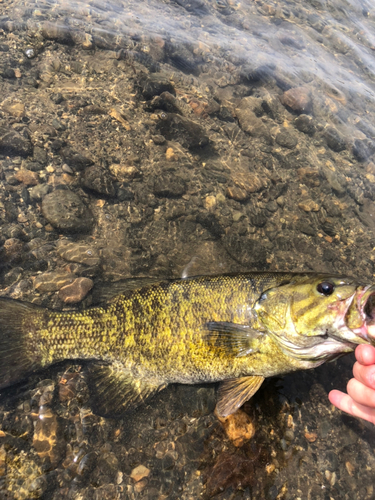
{"type": "Point", "coordinates": [345, 403]}
{"type": "Point", "coordinates": [365, 354]}
{"type": "Point", "coordinates": [365, 374]}
{"type": "Point", "coordinates": [360, 393]}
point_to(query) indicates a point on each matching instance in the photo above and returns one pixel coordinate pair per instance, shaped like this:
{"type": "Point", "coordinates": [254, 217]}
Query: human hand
{"type": "Point", "coordinates": [360, 400]}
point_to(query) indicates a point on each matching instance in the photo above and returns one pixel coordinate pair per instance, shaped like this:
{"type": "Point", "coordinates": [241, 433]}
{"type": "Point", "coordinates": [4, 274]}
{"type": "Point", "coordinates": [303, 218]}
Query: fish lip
{"type": "Point", "coordinates": [365, 303]}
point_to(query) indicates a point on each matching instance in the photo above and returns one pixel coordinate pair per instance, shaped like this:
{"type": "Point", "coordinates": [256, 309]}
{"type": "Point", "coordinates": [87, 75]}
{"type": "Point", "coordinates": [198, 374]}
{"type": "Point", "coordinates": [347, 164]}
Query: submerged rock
{"type": "Point", "coordinates": [98, 180]}
{"type": "Point", "coordinates": [178, 128]}
{"type": "Point", "coordinates": [65, 211]}
{"type": "Point", "coordinates": [14, 144]}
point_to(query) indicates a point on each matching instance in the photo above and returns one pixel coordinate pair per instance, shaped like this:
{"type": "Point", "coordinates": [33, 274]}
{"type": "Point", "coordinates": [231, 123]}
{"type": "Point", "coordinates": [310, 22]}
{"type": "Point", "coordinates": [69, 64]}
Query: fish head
{"type": "Point", "coordinates": [317, 317]}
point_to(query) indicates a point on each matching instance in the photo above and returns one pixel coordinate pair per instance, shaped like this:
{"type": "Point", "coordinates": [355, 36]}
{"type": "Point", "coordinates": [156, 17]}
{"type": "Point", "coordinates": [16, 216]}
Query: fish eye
{"type": "Point", "coordinates": [326, 288]}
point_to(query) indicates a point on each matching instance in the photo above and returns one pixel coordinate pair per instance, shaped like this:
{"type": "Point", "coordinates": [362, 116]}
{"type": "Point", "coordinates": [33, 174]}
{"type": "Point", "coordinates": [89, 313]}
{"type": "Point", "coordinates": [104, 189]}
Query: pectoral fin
{"type": "Point", "coordinates": [113, 390]}
{"type": "Point", "coordinates": [237, 340]}
{"type": "Point", "coordinates": [234, 393]}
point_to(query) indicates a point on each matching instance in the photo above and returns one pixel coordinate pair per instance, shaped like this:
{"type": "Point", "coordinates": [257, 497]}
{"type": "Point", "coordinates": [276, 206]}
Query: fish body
{"type": "Point", "coordinates": [237, 329]}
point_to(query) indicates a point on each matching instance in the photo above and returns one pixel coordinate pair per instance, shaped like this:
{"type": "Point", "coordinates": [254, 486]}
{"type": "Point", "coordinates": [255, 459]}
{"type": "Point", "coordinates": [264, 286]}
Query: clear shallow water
{"type": "Point", "coordinates": [173, 125]}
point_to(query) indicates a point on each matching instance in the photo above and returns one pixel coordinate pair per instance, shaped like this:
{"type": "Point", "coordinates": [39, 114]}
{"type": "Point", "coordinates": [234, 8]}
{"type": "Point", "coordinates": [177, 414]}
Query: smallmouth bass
{"type": "Point", "coordinates": [233, 328]}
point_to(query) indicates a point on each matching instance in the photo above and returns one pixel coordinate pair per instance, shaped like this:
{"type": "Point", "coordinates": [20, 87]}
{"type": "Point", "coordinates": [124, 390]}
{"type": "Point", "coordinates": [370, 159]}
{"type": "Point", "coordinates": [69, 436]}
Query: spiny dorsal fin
{"type": "Point", "coordinates": [113, 390]}
{"type": "Point", "coordinates": [234, 393]}
{"type": "Point", "coordinates": [237, 340]}
{"type": "Point", "coordinates": [104, 292]}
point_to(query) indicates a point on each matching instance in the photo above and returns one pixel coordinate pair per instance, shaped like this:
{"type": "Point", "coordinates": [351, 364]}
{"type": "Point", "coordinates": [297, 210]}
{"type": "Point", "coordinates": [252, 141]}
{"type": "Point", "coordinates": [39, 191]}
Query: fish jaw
{"type": "Point", "coordinates": [360, 316]}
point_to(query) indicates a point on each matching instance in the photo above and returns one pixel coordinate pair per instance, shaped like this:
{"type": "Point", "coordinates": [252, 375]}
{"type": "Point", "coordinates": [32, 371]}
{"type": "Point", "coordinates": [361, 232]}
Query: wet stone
{"type": "Point", "coordinates": [328, 227]}
{"type": "Point", "coordinates": [14, 144]}
{"type": "Point", "coordinates": [309, 206]}
{"type": "Point", "coordinates": [298, 99]}
{"type": "Point", "coordinates": [124, 173]}
{"type": "Point", "coordinates": [211, 223]}
{"type": "Point", "coordinates": [361, 150]}
{"type": "Point", "coordinates": [139, 473]}
{"type": "Point", "coordinates": [76, 160]}
{"type": "Point", "coordinates": [178, 128]}
{"type": "Point", "coordinates": [244, 249]}
{"type": "Point", "coordinates": [27, 177]}
{"type": "Point", "coordinates": [286, 139]}
{"type": "Point", "coordinates": [225, 114]}
{"type": "Point", "coordinates": [40, 155]}
{"type": "Point", "coordinates": [336, 181]}
{"type": "Point", "coordinates": [65, 211]}
{"type": "Point", "coordinates": [239, 427]}
{"type": "Point", "coordinates": [305, 124]}
{"type": "Point", "coordinates": [155, 85]}
{"type": "Point", "coordinates": [57, 98]}
{"type": "Point", "coordinates": [158, 139]}
{"type": "Point", "coordinates": [237, 193]}
{"type": "Point", "coordinates": [76, 291]}
{"type": "Point", "coordinates": [58, 32]}
{"type": "Point", "coordinates": [249, 181]}
{"type": "Point", "coordinates": [305, 228]}
{"type": "Point", "coordinates": [98, 180]}
{"type": "Point", "coordinates": [53, 281]}
{"type": "Point", "coordinates": [78, 252]}
{"type": "Point", "coordinates": [249, 121]}
{"type": "Point", "coordinates": [166, 102]}
{"type": "Point", "coordinates": [230, 469]}
{"type": "Point", "coordinates": [169, 186]}
{"type": "Point", "coordinates": [16, 109]}
{"type": "Point", "coordinates": [8, 73]}
{"type": "Point", "coordinates": [38, 192]}
{"type": "Point", "coordinates": [13, 250]}
{"type": "Point", "coordinates": [334, 140]}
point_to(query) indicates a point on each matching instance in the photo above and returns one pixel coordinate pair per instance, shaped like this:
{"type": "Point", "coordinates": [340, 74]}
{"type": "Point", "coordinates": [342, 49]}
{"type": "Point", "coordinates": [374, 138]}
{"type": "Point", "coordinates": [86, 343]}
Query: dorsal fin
{"type": "Point", "coordinates": [105, 292]}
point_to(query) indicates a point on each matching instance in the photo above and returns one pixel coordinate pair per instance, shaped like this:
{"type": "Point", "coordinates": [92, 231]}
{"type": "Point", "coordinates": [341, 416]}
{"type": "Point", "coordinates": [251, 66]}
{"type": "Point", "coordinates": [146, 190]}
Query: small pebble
{"type": "Point", "coordinates": [139, 473]}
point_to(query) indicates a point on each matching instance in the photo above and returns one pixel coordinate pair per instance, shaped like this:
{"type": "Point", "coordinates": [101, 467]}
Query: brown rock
{"type": "Point", "coordinates": [124, 173]}
{"type": "Point", "coordinates": [248, 181]}
{"type": "Point", "coordinates": [238, 427]}
{"type": "Point", "coordinates": [27, 177]}
{"type": "Point", "coordinates": [237, 193]}
{"type": "Point", "coordinates": [78, 252]}
{"type": "Point", "coordinates": [170, 155]}
{"type": "Point", "coordinates": [139, 473]}
{"type": "Point", "coordinates": [250, 123]}
{"type": "Point", "coordinates": [13, 250]}
{"type": "Point", "coordinates": [309, 206]}
{"type": "Point", "coordinates": [311, 436]}
{"type": "Point", "coordinates": [140, 485]}
{"type": "Point", "coordinates": [230, 470]}
{"type": "Point", "coordinates": [16, 109]}
{"type": "Point", "coordinates": [309, 176]}
{"type": "Point", "coordinates": [53, 281]}
{"type": "Point", "coordinates": [298, 99]}
{"type": "Point", "coordinates": [116, 114]}
{"type": "Point", "coordinates": [76, 291]}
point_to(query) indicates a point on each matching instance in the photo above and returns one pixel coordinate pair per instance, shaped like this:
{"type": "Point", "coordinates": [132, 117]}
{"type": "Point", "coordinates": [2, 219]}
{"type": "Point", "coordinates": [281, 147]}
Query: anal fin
{"type": "Point", "coordinates": [235, 392]}
{"type": "Point", "coordinates": [113, 390]}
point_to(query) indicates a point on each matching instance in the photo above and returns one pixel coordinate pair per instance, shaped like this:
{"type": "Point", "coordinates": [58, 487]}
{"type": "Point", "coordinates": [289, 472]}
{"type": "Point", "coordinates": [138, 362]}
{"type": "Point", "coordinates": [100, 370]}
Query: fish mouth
{"type": "Point", "coordinates": [360, 317]}
{"type": "Point", "coordinates": [369, 315]}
